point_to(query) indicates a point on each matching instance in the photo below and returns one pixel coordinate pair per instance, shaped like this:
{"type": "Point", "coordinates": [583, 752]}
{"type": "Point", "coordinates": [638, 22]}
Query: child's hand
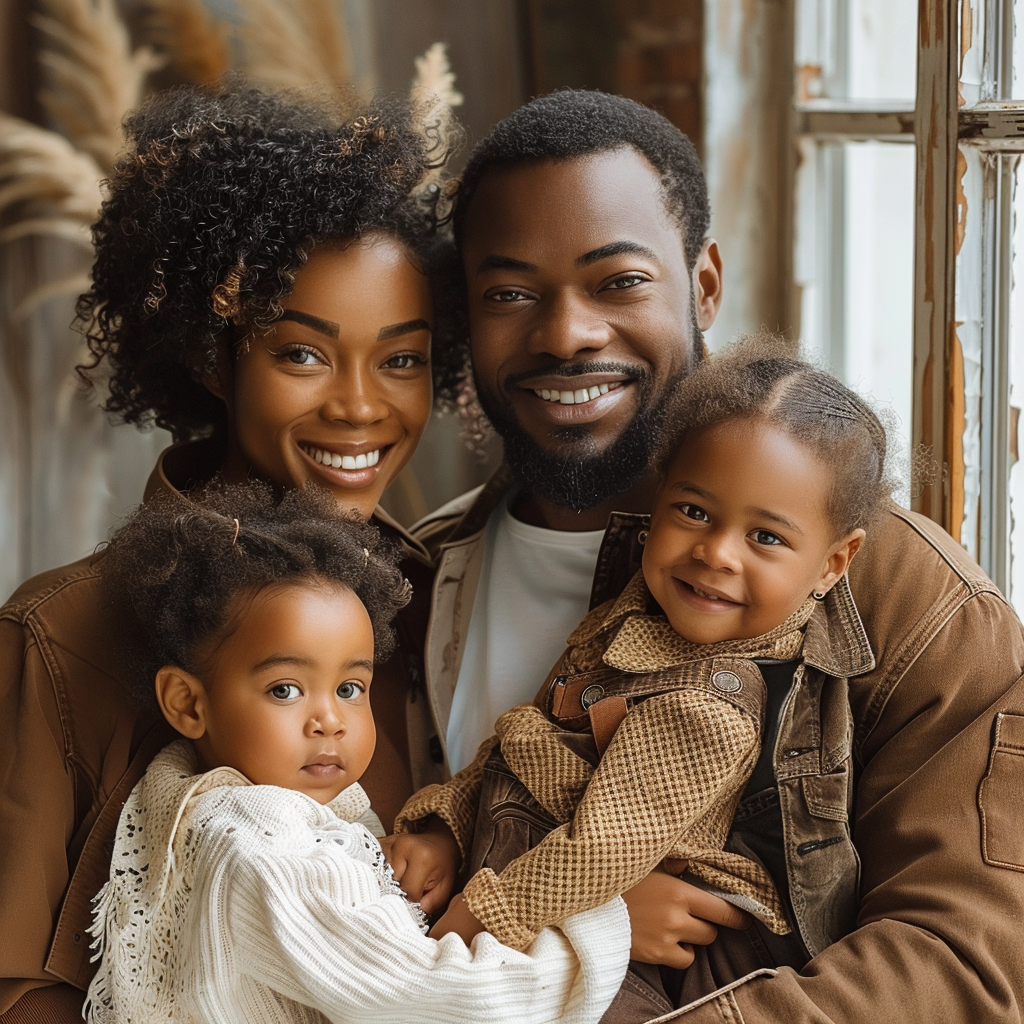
{"type": "Point", "coordinates": [457, 918]}
{"type": "Point", "coordinates": [425, 864]}
{"type": "Point", "coordinates": [669, 917]}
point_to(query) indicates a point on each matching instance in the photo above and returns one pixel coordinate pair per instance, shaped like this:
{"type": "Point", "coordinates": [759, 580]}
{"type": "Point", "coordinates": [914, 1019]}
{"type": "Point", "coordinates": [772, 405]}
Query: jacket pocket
{"type": "Point", "coordinates": [826, 795]}
{"type": "Point", "coordinates": [1001, 796]}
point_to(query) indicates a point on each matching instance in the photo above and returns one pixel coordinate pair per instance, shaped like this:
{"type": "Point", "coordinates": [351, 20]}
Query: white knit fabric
{"type": "Point", "coordinates": [230, 902]}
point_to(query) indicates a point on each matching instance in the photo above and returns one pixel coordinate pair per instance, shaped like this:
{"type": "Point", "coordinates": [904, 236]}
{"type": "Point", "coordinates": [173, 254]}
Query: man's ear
{"type": "Point", "coordinates": [839, 558]}
{"type": "Point", "coordinates": [182, 699]}
{"type": "Point", "coordinates": [707, 284]}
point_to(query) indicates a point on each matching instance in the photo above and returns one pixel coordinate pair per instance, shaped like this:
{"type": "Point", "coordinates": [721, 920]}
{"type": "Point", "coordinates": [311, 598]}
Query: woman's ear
{"type": "Point", "coordinates": [182, 699]}
{"type": "Point", "coordinates": [839, 558]}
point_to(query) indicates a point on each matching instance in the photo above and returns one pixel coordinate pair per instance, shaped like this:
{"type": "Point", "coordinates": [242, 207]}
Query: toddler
{"type": "Point", "coordinates": [649, 729]}
{"type": "Point", "coordinates": [246, 881]}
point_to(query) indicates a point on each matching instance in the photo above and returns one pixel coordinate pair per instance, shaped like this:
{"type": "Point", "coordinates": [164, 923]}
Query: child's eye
{"type": "Point", "coordinates": [350, 690]}
{"type": "Point", "coordinates": [694, 512]}
{"type": "Point", "coordinates": [300, 356]}
{"type": "Point", "coordinates": [766, 537]}
{"type": "Point", "coordinates": [285, 691]}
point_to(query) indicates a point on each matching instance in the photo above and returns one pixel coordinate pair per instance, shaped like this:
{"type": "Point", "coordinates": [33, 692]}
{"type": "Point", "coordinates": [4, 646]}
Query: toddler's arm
{"type": "Point", "coordinates": [673, 759]}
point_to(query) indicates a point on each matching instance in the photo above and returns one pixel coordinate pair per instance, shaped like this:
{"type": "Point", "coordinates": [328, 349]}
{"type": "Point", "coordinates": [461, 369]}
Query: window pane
{"type": "Point", "coordinates": [857, 50]}
{"type": "Point", "coordinates": [1015, 425]}
{"type": "Point", "coordinates": [854, 267]}
{"type": "Point", "coordinates": [992, 66]}
{"type": "Point", "coordinates": [990, 329]}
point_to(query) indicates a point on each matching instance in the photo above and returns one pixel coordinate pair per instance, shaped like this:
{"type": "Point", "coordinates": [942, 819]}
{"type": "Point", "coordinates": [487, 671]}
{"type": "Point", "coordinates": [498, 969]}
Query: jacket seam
{"type": "Point", "coordinates": [915, 644]}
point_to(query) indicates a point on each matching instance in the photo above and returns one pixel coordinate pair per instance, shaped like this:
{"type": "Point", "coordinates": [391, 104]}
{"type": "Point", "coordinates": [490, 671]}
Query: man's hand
{"type": "Point", "coordinates": [669, 917]}
{"type": "Point", "coordinates": [457, 918]}
{"type": "Point", "coordinates": [425, 864]}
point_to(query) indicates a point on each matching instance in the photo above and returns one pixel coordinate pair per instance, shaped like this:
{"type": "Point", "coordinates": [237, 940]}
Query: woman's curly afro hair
{"type": "Point", "coordinates": [220, 198]}
{"type": "Point", "coordinates": [178, 566]}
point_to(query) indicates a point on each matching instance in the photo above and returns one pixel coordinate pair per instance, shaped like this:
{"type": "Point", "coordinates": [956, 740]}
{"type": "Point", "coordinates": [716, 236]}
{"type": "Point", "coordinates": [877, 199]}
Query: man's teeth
{"type": "Point", "coordinates": [575, 397]}
{"type": "Point", "coordinates": [364, 461]}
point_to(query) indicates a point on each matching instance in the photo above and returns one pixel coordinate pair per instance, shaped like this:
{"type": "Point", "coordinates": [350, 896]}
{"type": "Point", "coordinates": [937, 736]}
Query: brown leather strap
{"type": "Point", "coordinates": [605, 717]}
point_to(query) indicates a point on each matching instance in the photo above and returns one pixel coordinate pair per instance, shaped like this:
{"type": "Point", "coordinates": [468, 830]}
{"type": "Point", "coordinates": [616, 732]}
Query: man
{"type": "Point", "coordinates": [581, 222]}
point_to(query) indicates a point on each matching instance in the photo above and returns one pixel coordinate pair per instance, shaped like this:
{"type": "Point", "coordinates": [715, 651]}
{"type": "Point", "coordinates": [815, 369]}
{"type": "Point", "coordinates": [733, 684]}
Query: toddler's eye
{"type": "Point", "coordinates": [285, 691]}
{"type": "Point", "coordinates": [694, 512]}
{"type": "Point", "coordinates": [349, 690]}
{"type": "Point", "coordinates": [766, 537]}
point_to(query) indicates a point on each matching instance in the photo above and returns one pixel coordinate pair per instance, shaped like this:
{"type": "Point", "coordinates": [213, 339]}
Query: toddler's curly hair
{"type": "Point", "coordinates": [758, 378]}
{"type": "Point", "coordinates": [179, 568]}
{"type": "Point", "coordinates": [219, 200]}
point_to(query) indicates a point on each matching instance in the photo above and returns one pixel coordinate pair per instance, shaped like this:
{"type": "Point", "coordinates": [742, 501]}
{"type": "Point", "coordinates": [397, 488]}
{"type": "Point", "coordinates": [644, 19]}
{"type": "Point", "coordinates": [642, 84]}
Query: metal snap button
{"type": "Point", "coordinates": [641, 537]}
{"type": "Point", "coordinates": [727, 682]}
{"type": "Point", "coordinates": [591, 695]}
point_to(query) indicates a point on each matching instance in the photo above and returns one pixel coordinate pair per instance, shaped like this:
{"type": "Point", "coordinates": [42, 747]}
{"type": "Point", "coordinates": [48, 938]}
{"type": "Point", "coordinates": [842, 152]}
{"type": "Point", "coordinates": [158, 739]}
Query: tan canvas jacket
{"type": "Point", "coordinates": [72, 746]}
{"type": "Point", "coordinates": [921, 763]}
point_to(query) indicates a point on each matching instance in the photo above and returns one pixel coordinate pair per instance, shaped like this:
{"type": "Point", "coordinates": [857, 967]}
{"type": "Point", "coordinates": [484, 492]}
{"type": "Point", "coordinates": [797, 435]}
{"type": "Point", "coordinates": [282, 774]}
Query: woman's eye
{"type": "Point", "coordinates": [285, 691]}
{"type": "Point", "coordinates": [766, 537]}
{"type": "Point", "coordinates": [300, 357]}
{"type": "Point", "coordinates": [349, 690]}
{"type": "Point", "coordinates": [406, 361]}
{"type": "Point", "coordinates": [694, 512]}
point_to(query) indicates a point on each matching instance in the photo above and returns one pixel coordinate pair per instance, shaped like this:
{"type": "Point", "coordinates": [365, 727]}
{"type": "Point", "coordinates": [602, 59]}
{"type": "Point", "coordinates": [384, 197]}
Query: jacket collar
{"type": "Point", "coordinates": [834, 641]}
{"type": "Point", "coordinates": [189, 464]}
{"type": "Point", "coordinates": [474, 519]}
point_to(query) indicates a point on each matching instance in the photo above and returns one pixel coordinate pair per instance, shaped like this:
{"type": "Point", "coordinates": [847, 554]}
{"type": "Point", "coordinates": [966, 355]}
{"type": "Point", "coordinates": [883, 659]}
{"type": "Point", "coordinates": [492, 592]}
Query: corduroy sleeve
{"type": "Point", "coordinates": [675, 759]}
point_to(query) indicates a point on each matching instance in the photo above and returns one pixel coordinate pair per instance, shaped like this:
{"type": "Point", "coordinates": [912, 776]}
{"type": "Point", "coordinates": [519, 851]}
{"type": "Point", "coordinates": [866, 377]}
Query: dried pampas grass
{"type": "Point", "coordinates": [92, 76]}
{"type": "Point", "coordinates": [51, 187]}
{"type": "Point", "coordinates": [433, 95]}
{"type": "Point", "coordinates": [294, 44]}
{"type": "Point", "coordinates": [197, 45]}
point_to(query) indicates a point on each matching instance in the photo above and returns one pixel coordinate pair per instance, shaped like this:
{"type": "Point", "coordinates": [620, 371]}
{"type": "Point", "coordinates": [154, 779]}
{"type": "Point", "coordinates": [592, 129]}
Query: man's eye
{"type": "Point", "coordinates": [350, 690]}
{"type": "Point", "coordinates": [766, 537]}
{"type": "Point", "coordinates": [694, 512]}
{"type": "Point", "coordinates": [285, 691]}
{"type": "Point", "coordinates": [506, 295]}
{"type": "Point", "coordinates": [300, 357]}
{"type": "Point", "coordinates": [627, 281]}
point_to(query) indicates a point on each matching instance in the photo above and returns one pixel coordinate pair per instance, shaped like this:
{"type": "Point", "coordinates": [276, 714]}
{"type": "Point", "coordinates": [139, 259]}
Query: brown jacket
{"type": "Point", "coordinates": [72, 746]}
{"type": "Point", "coordinates": [920, 762]}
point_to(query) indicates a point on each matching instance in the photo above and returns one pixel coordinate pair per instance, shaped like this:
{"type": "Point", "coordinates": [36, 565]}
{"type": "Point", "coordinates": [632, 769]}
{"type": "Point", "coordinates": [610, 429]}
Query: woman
{"type": "Point", "coordinates": [263, 290]}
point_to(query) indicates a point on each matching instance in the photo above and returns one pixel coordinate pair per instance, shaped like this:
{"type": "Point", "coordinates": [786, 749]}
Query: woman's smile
{"type": "Point", "coordinates": [338, 391]}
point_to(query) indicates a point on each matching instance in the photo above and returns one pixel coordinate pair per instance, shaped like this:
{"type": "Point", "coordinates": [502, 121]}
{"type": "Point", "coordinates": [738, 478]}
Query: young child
{"type": "Point", "coordinates": [648, 730]}
{"type": "Point", "coordinates": [245, 882]}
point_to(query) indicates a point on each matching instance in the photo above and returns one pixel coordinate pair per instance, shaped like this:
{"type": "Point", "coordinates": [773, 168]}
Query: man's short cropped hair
{"type": "Point", "coordinates": [574, 122]}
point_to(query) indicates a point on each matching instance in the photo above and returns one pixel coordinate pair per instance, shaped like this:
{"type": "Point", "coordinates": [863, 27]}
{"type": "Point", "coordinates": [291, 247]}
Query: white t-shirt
{"type": "Point", "coordinates": [534, 589]}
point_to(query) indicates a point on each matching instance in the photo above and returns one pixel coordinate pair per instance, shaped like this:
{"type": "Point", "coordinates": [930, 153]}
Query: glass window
{"type": "Point", "coordinates": [860, 51]}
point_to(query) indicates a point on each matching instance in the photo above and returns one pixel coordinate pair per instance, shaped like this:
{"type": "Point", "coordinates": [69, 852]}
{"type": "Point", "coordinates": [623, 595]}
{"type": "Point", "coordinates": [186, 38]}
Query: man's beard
{"type": "Point", "coordinates": [579, 476]}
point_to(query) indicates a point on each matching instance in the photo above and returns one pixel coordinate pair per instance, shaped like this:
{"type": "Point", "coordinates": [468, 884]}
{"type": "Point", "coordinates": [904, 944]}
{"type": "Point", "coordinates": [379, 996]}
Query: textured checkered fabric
{"type": "Point", "coordinates": [667, 785]}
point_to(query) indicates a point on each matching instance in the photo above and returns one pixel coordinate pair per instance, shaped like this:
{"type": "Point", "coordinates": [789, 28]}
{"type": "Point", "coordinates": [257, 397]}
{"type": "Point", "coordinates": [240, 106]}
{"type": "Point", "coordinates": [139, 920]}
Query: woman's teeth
{"type": "Point", "coordinates": [364, 461]}
{"type": "Point", "coordinates": [575, 397]}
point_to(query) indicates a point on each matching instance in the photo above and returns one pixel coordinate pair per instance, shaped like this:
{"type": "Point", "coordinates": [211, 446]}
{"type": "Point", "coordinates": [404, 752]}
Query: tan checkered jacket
{"type": "Point", "coordinates": [667, 785]}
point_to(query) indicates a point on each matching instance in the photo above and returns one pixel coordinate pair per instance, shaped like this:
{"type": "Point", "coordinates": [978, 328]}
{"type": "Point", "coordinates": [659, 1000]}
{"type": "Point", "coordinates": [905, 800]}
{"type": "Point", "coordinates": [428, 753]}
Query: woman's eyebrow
{"type": "Point", "coordinates": [327, 327]}
{"type": "Point", "coordinates": [407, 327]}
